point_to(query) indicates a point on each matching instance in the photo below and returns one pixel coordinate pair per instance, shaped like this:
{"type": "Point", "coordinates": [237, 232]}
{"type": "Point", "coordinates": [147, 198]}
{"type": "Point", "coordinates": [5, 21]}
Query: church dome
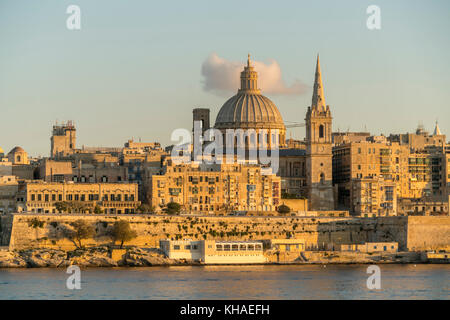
{"type": "Point", "coordinates": [249, 109]}
{"type": "Point", "coordinates": [16, 150]}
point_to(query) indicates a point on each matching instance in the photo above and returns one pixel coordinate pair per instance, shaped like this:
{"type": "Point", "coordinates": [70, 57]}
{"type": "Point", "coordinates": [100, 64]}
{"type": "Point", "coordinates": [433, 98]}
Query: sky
{"type": "Point", "coordinates": [136, 69]}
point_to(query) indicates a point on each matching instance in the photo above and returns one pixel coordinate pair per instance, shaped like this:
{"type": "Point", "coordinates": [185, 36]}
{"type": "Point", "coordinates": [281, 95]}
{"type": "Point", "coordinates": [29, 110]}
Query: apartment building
{"type": "Point", "coordinates": [216, 187]}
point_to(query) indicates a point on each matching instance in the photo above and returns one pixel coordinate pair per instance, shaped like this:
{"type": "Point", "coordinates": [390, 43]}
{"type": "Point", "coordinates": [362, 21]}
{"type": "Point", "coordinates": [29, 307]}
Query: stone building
{"type": "Point", "coordinates": [63, 140]}
{"type": "Point", "coordinates": [374, 196]}
{"type": "Point", "coordinates": [214, 188]}
{"type": "Point", "coordinates": [421, 139]}
{"type": "Point", "coordinates": [60, 171]}
{"type": "Point", "coordinates": [292, 171]}
{"type": "Point", "coordinates": [417, 167]}
{"type": "Point", "coordinates": [214, 252]}
{"type": "Point", "coordinates": [18, 156]}
{"type": "Point", "coordinates": [423, 206]}
{"type": "Point", "coordinates": [43, 197]}
{"type": "Point", "coordinates": [8, 191]}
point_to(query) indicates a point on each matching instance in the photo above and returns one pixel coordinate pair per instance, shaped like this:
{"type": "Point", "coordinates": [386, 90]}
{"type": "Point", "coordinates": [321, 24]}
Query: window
{"type": "Point", "coordinates": [322, 178]}
{"type": "Point", "coordinates": [176, 247]}
{"type": "Point", "coordinates": [321, 131]}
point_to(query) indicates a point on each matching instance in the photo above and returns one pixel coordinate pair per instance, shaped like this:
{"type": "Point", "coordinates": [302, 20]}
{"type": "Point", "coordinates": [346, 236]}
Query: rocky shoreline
{"type": "Point", "coordinates": [91, 257]}
{"type": "Point", "coordinates": [146, 257]}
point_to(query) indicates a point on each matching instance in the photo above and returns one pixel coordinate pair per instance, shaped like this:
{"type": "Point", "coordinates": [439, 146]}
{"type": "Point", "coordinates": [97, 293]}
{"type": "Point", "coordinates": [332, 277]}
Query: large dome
{"type": "Point", "coordinates": [249, 109]}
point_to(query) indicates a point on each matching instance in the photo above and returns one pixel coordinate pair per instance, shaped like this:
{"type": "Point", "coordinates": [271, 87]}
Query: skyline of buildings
{"type": "Point", "coordinates": [368, 175]}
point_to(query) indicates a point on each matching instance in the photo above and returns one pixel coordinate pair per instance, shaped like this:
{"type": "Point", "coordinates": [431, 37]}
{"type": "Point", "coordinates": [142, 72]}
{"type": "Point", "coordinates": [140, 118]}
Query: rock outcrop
{"type": "Point", "coordinates": [89, 257]}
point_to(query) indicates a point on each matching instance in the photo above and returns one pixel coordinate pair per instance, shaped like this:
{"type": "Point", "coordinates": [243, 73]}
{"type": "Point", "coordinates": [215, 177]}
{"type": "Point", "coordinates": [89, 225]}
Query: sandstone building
{"type": "Point", "coordinates": [215, 188]}
{"type": "Point", "coordinates": [416, 165]}
{"type": "Point", "coordinates": [43, 197]}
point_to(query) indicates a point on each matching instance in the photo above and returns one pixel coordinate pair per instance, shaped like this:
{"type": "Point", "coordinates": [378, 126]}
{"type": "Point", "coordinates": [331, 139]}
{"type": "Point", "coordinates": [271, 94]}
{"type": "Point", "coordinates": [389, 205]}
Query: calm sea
{"type": "Point", "coordinates": [230, 282]}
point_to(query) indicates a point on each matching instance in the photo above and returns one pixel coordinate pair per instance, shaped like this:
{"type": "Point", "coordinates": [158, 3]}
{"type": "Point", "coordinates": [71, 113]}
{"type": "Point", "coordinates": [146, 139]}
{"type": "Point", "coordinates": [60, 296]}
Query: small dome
{"type": "Point", "coordinates": [16, 150]}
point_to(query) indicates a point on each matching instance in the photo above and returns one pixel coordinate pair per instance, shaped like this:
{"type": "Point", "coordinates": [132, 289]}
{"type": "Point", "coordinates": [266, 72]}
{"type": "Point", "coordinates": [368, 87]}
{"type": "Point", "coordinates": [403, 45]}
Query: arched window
{"type": "Point", "coordinates": [322, 178]}
{"type": "Point", "coordinates": [321, 131]}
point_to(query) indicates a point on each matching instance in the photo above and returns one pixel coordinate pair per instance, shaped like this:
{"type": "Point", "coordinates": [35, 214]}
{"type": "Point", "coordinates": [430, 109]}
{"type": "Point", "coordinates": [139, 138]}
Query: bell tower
{"type": "Point", "coordinates": [319, 148]}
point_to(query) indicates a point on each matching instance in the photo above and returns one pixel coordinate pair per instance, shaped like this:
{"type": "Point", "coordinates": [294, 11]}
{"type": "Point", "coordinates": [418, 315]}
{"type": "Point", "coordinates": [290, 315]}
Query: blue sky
{"type": "Point", "coordinates": [134, 69]}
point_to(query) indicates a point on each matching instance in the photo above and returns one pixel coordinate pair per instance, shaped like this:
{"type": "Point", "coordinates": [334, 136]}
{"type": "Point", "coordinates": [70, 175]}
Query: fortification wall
{"type": "Point", "coordinates": [37, 231]}
{"type": "Point", "coordinates": [428, 233]}
{"type": "Point", "coordinates": [5, 229]}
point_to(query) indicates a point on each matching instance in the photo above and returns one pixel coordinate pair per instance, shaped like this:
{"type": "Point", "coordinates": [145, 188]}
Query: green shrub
{"type": "Point", "coordinates": [36, 223]}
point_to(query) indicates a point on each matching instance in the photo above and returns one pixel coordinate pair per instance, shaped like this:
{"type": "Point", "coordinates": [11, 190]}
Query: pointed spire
{"type": "Point", "coordinates": [437, 131]}
{"type": "Point", "coordinates": [248, 61]}
{"type": "Point", "coordinates": [318, 98]}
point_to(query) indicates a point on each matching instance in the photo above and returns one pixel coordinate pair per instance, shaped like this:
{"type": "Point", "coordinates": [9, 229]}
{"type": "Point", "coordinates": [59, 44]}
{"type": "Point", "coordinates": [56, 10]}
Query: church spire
{"type": "Point", "coordinates": [318, 98]}
{"type": "Point", "coordinates": [437, 131]}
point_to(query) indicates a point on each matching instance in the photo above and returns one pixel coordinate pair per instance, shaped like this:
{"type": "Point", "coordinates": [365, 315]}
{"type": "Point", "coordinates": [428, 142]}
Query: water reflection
{"type": "Point", "coordinates": [230, 282]}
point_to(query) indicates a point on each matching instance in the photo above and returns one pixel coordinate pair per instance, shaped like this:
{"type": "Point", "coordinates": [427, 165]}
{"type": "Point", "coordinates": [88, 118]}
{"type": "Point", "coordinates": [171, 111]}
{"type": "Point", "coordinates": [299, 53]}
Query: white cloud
{"type": "Point", "coordinates": [222, 76]}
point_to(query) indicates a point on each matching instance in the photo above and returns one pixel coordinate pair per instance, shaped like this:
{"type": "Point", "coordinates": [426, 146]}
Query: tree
{"type": "Point", "coordinates": [81, 230]}
{"type": "Point", "coordinates": [71, 206]}
{"type": "Point", "coordinates": [283, 209]}
{"type": "Point", "coordinates": [122, 232]}
{"type": "Point", "coordinates": [173, 208]}
{"type": "Point", "coordinates": [145, 208]}
{"type": "Point", "coordinates": [61, 206]}
{"type": "Point", "coordinates": [97, 209]}
{"type": "Point", "coordinates": [285, 195]}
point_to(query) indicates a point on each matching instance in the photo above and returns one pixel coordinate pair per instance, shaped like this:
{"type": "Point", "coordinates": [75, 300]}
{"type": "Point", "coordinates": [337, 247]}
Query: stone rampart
{"type": "Point", "coordinates": [47, 230]}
